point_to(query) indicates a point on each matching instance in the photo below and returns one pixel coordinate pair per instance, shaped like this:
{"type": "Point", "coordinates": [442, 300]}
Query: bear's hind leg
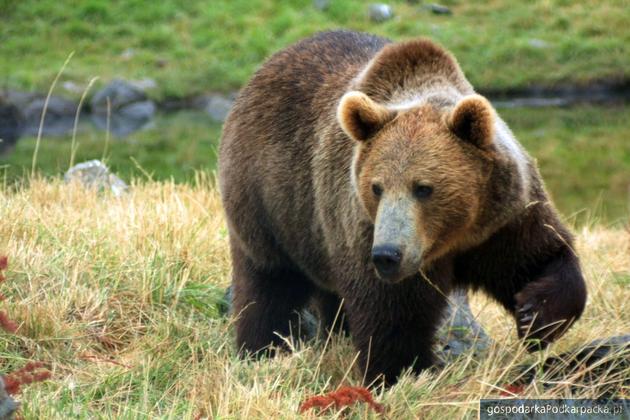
{"type": "Point", "coordinates": [330, 312]}
{"type": "Point", "coordinates": [267, 302]}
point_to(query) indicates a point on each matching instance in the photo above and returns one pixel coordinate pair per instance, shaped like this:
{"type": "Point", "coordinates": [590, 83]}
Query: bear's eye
{"type": "Point", "coordinates": [422, 192]}
{"type": "Point", "coordinates": [377, 190]}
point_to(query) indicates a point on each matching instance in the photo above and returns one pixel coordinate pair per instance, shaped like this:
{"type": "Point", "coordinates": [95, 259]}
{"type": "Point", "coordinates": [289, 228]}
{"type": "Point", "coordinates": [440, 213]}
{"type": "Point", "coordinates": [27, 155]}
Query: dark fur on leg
{"type": "Point", "coordinates": [267, 304]}
{"type": "Point", "coordinates": [330, 311]}
{"type": "Point", "coordinates": [548, 305]}
{"type": "Point", "coordinates": [393, 327]}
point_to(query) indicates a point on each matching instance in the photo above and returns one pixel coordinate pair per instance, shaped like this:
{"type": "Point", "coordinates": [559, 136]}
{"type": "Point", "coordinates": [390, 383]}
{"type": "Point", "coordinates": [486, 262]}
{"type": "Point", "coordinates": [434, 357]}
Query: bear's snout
{"type": "Point", "coordinates": [386, 259]}
{"type": "Point", "coordinates": [396, 249]}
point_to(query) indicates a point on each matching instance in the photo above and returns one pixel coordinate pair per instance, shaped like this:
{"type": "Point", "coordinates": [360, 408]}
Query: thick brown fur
{"type": "Point", "coordinates": [323, 122]}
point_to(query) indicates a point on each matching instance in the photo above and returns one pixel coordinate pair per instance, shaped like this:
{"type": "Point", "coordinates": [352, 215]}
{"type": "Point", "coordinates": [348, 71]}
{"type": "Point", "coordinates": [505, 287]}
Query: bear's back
{"type": "Point", "coordinates": [270, 140]}
{"type": "Point", "coordinates": [285, 94]}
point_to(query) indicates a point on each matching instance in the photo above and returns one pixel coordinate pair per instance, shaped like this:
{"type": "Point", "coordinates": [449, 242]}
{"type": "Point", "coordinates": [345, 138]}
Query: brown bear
{"type": "Point", "coordinates": [363, 173]}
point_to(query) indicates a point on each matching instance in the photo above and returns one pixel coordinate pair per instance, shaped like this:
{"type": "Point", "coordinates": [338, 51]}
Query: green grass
{"type": "Point", "coordinates": [584, 156]}
{"type": "Point", "coordinates": [583, 153]}
{"type": "Point", "coordinates": [196, 46]}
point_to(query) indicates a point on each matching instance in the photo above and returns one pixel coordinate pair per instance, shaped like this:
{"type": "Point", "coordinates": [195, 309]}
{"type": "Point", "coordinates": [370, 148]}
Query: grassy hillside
{"type": "Point", "coordinates": [199, 45]}
{"type": "Point", "coordinates": [120, 297]}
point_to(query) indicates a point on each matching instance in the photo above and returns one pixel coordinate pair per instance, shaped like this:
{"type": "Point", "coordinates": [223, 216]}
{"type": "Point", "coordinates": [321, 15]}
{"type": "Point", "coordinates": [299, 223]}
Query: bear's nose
{"type": "Point", "coordinates": [386, 259]}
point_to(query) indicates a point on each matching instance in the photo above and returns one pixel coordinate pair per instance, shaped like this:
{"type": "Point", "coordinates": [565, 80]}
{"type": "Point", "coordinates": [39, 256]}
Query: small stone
{"type": "Point", "coordinates": [130, 109]}
{"type": "Point", "coordinates": [128, 54]}
{"type": "Point", "coordinates": [72, 87]}
{"type": "Point", "coordinates": [380, 12]}
{"type": "Point", "coordinates": [20, 99]}
{"type": "Point", "coordinates": [144, 84]}
{"type": "Point", "coordinates": [141, 111]}
{"type": "Point", "coordinates": [59, 118]}
{"type": "Point", "coordinates": [537, 43]}
{"type": "Point", "coordinates": [11, 124]}
{"type": "Point", "coordinates": [120, 93]}
{"type": "Point", "coordinates": [126, 120]}
{"type": "Point", "coordinates": [161, 62]}
{"type": "Point", "coordinates": [226, 306]}
{"type": "Point", "coordinates": [438, 9]}
{"type": "Point", "coordinates": [95, 174]}
{"type": "Point", "coordinates": [321, 4]}
{"type": "Point", "coordinates": [460, 332]}
{"type": "Point", "coordinates": [218, 107]}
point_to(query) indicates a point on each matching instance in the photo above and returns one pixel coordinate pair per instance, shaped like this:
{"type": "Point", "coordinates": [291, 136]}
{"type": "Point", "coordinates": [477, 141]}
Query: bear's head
{"type": "Point", "coordinates": [422, 176]}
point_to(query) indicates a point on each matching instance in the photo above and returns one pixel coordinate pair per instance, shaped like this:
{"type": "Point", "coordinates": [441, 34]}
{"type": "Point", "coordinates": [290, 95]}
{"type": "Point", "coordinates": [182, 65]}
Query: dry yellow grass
{"type": "Point", "coordinates": [120, 296]}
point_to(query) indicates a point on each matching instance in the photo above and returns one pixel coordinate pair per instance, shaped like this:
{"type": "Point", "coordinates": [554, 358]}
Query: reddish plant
{"type": "Point", "coordinates": [6, 324]}
{"type": "Point", "coordinates": [31, 372]}
{"type": "Point", "coordinates": [343, 397]}
{"type": "Point", "coordinates": [512, 390]}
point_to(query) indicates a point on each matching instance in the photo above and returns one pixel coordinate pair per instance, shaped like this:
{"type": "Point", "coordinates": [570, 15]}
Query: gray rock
{"type": "Point", "coordinates": [59, 118]}
{"type": "Point", "coordinates": [95, 174]}
{"type": "Point", "coordinates": [120, 93]}
{"type": "Point", "coordinates": [130, 109]}
{"type": "Point", "coordinates": [460, 332]}
{"type": "Point", "coordinates": [138, 110]}
{"type": "Point", "coordinates": [73, 88]}
{"type": "Point", "coordinates": [602, 363]}
{"type": "Point", "coordinates": [127, 119]}
{"type": "Point", "coordinates": [8, 406]}
{"type": "Point", "coordinates": [218, 106]}
{"type": "Point", "coordinates": [144, 84]}
{"type": "Point", "coordinates": [11, 125]}
{"type": "Point", "coordinates": [226, 309]}
{"type": "Point", "coordinates": [537, 43]}
{"type": "Point", "coordinates": [321, 4]}
{"type": "Point", "coordinates": [20, 99]}
{"type": "Point", "coordinates": [380, 12]}
{"type": "Point", "coordinates": [438, 9]}
{"type": "Point", "coordinates": [128, 54]}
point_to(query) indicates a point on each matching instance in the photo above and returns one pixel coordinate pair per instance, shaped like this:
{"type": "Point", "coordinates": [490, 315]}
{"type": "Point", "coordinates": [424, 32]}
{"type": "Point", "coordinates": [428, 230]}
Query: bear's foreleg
{"type": "Point", "coordinates": [267, 302]}
{"type": "Point", "coordinates": [393, 326]}
{"type": "Point", "coordinates": [549, 304]}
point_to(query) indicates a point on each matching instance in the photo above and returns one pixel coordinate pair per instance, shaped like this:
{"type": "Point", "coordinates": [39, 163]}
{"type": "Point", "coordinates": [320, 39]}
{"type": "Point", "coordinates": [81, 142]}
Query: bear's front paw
{"type": "Point", "coordinates": [540, 317]}
{"type": "Point", "coordinates": [530, 324]}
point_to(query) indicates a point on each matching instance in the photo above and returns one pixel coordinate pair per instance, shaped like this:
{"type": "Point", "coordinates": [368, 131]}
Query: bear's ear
{"type": "Point", "coordinates": [360, 117]}
{"type": "Point", "coordinates": [472, 120]}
